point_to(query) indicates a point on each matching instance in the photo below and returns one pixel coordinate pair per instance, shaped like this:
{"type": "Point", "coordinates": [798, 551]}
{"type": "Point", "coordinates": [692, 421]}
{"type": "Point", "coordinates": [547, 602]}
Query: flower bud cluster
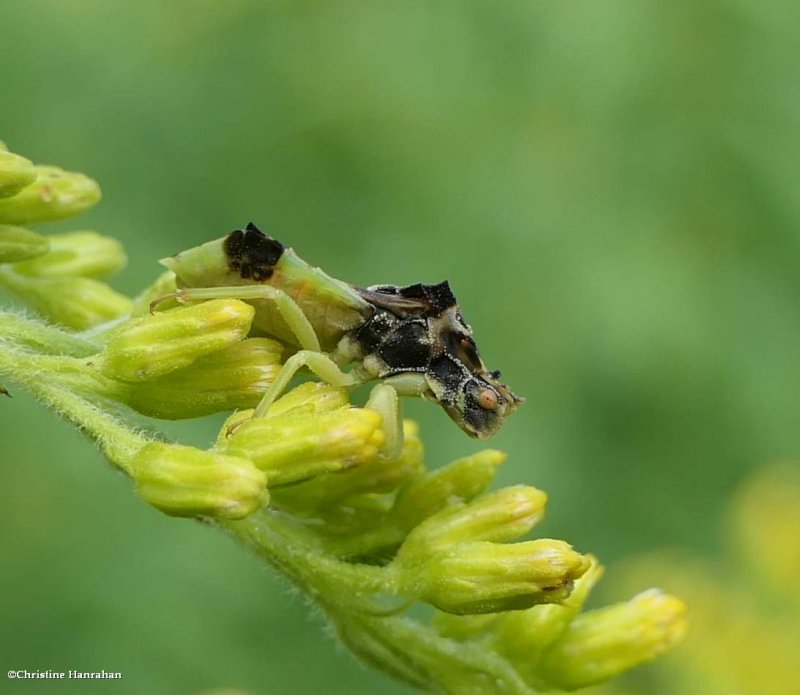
{"type": "Point", "coordinates": [462, 561]}
{"type": "Point", "coordinates": [557, 647]}
{"type": "Point", "coordinates": [60, 275]}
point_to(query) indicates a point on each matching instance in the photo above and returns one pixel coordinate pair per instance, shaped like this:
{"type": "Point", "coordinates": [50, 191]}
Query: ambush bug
{"type": "Point", "coordinates": [414, 339]}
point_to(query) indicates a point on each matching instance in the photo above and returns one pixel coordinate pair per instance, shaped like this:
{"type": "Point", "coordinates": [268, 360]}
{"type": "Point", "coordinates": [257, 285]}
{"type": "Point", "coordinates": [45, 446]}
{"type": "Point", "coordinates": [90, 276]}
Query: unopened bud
{"type": "Point", "coordinates": [522, 636]}
{"type": "Point", "coordinates": [343, 489]}
{"type": "Point", "coordinates": [15, 173]}
{"type": "Point", "coordinates": [466, 627]}
{"type": "Point", "coordinates": [484, 577]}
{"type": "Point", "coordinates": [20, 244]}
{"type": "Point", "coordinates": [85, 254]}
{"type": "Point", "coordinates": [383, 476]}
{"type": "Point", "coordinates": [234, 377]}
{"type": "Point", "coordinates": [54, 195]}
{"type": "Point", "coordinates": [292, 447]}
{"type": "Point", "coordinates": [184, 481]}
{"type": "Point", "coordinates": [497, 516]}
{"type": "Point", "coordinates": [602, 643]}
{"type": "Point", "coordinates": [150, 346]}
{"type": "Point", "coordinates": [460, 480]}
{"type": "Point", "coordinates": [310, 397]}
{"type": "Point", "coordinates": [77, 303]}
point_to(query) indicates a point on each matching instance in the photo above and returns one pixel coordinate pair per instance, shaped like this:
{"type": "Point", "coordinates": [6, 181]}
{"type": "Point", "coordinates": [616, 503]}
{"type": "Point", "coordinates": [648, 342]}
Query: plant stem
{"type": "Point", "coordinates": [117, 440]}
{"type": "Point", "coordinates": [42, 337]}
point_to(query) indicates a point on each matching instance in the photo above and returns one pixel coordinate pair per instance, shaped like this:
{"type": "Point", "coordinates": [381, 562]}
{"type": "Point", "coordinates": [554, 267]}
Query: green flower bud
{"type": "Point", "coordinates": [602, 643]}
{"type": "Point", "coordinates": [77, 303]}
{"type": "Point", "coordinates": [20, 244]}
{"type": "Point", "coordinates": [150, 346]}
{"type": "Point", "coordinates": [497, 516]}
{"type": "Point", "coordinates": [383, 476]}
{"type": "Point", "coordinates": [467, 627]}
{"type": "Point", "coordinates": [293, 447]}
{"type": "Point", "coordinates": [357, 488]}
{"type": "Point", "coordinates": [184, 481]}
{"type": "Point", "coordinates": [55, 195]}
{"type": "Point", "coordinates": [523, 636]}
{"type": "Point", "coordinates": [15, 173]}
{"type": "Point", "coordinates": [460, 480]}
{"type": "Point", "coordinates": [483, 577]}
{"type": "Point", "coordinates": [310, 397]}
{"type": "Point", "coordinates": [234, 377]}
{"type": "Point", "coordinates": [85, 254]}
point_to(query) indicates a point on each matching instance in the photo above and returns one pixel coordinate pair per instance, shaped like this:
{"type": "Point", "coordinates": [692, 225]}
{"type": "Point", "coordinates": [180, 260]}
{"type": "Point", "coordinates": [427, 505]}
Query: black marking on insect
{"type": "Point", "coordinates": [252, 253]}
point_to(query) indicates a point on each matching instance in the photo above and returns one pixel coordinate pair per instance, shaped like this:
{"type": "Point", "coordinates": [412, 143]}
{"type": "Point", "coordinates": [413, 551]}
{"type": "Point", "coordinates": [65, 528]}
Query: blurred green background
{"type": "Point", "coordinates": [611, 189]}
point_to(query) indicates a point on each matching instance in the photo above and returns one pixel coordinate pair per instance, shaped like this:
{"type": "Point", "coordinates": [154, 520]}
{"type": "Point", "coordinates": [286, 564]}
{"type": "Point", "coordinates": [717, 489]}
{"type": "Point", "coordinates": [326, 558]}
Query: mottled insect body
{"type": "Point", "coordinates": [413, 338]}
{"type": "Point", "coordinates": [420, 329]}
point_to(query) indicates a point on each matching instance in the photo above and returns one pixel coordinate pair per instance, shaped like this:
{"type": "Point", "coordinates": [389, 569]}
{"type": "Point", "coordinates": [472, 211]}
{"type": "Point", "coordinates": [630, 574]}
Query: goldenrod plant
{"type": "Point", "coordinates": [308, 486]}
{"type": "Point", "coordinates": [745, 635]}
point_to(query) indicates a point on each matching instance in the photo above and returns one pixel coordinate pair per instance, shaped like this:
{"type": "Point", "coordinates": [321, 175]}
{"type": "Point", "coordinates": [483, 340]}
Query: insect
{"type": "Point", "coordinates": [413, 339]}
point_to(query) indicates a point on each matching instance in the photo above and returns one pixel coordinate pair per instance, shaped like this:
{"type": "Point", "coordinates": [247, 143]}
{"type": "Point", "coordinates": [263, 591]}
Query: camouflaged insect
{"type": "Point", "coordinates": [413, 338]}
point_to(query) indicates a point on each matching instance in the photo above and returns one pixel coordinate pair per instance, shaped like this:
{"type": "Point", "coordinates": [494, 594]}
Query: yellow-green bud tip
{"type": "Point", "coordinates": [54, 195]}
{"type": "Point", "coordinates": [184, 481]}
{"type": "Point", "coordinates": [153, 345]}
{"type": "Point", "coordinates": [460, 480]}
{"type": "Point", "coordinates": [298, 446]}
{"type": "Point", "coordinates": [75, 302]}
{"type": "Point", "coordinates": [85, 254]}
{"type": "Point", "coordinates": [497, 516]}
{"type": "Point", "coordinates": [235, 377]}
{"type": "Point", "coordinates": [310, 397]}
{"type": "Point", "coordinates": [15, 173]}
{"type": "Point", "coordinates": [484, 577]}
{"type": "Point", "coordinates": [602, 643]}
{"type": "Point", "coordinates": [20, 244]}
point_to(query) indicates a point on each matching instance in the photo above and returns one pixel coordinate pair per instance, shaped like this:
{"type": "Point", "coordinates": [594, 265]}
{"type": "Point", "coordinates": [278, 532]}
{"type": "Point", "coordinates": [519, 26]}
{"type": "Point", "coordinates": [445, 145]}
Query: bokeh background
{"type": "Point", "coordinates": [611, 188]}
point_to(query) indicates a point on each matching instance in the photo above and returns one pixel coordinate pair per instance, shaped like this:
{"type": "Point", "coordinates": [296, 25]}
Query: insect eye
{"type": "Point", "coordinates": [487, 399]}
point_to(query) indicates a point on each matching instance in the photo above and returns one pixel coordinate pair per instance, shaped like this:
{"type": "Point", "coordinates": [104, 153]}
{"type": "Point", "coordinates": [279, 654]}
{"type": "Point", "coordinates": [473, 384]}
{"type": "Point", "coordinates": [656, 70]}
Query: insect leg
{"type": "Point", "coordinates": [293, 315]}
{"type": "Point", "coordinates": [383, 399]}
{"type": "Point", "coordinates": [408, 384]}
{"type": "Point", "coordinates": [319, 363]}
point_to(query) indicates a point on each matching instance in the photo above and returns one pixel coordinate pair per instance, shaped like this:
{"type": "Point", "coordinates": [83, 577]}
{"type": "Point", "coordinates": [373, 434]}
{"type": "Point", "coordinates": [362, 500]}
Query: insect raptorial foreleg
{"type": "Point", "coordinates": [408, 384]}
{"type": "Point", "coordinates": [289, 310]}
{"type": "Point", "coordinates": [318, 362]}
{"type": "Point", "coordinates": [383, 399]}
